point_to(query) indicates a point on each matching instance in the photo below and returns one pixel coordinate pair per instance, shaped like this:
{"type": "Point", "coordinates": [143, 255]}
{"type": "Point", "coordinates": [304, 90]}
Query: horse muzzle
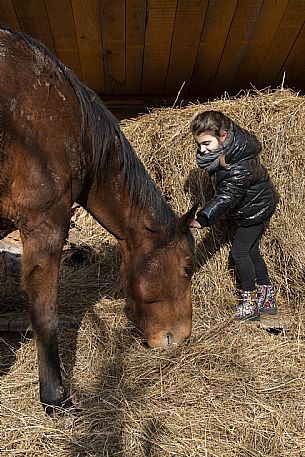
{"type": "Point", "coordinates": [168, 338]}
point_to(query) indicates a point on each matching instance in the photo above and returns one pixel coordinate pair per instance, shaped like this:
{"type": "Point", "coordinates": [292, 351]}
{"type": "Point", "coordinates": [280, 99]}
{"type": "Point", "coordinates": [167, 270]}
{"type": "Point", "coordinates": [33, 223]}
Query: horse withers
{"type": "Point", "coordinates": [60, 145]}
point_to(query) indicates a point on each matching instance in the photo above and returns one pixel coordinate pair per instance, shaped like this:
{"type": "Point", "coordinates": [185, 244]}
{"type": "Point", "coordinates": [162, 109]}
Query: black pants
{"type": "Point", "coordinates": [251, 267]}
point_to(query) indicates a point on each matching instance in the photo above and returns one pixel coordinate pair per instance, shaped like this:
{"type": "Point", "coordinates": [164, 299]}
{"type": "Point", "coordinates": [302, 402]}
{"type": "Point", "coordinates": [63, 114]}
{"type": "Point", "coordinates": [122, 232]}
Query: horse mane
{"type": "Point", "coordinates": [104, 128]}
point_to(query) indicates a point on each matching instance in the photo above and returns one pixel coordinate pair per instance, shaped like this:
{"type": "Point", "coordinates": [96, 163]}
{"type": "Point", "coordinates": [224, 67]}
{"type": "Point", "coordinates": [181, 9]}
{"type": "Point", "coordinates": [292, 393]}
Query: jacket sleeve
{"type": "Point", "coordinates": [231, 189]}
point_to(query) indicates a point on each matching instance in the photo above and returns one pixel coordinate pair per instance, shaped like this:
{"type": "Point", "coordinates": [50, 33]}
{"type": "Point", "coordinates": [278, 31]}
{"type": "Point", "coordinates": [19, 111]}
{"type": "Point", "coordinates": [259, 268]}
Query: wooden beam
{"type": "Point", "coordinates": [8, 15]}
{"type": "Point", "coordinates": [113, 39]}
{"type": "Point", "coordinates": [282, 43]}
{"type": "Point", "coordinates": [135, 39]}
{"type": "Point", "coordinates": [186, 38]}
{"type": "Point", "coordinates": [243, 23]}
{"type": "Point", "coordinates": [265, 29]}
{"type": "Point", "coordinates": [214, 35]}
{"type": "Point", "coordinates": [33, 19]}
{"type": "Point", "coordinates": [63, 31]}
{"type": "Point", "coordinates": [88, 34]}
{"type": "Point", "coordinates": [294, 65]}
{"type": "Point", "coordinates": [158, 38]}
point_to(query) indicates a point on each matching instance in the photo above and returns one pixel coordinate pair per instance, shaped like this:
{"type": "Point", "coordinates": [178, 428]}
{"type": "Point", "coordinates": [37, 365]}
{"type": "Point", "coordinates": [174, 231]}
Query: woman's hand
{"type": "Point", "coordinates": [195, 224]}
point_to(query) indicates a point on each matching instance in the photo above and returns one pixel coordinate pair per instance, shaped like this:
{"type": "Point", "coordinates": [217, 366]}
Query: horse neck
{"type": "Point", "coordinates": [133, 224]}
{"type": "Point", "coordinates": [110, 204]}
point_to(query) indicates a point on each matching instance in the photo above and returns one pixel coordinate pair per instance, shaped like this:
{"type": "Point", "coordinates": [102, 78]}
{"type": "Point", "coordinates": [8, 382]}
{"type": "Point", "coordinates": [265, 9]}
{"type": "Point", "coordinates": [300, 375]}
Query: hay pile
{"type": "Point", "coordinates": [234, 390]}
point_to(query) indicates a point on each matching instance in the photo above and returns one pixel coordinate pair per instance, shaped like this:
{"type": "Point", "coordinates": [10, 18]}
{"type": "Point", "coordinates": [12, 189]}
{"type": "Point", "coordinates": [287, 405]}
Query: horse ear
{"type": "Point", "coordinates": [184, 221]}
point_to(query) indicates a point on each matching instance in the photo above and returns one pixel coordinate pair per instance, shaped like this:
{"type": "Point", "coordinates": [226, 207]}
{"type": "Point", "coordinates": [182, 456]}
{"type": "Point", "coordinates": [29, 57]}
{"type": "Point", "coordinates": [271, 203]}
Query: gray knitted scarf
{"type": "Point", "coordinates": [210, 161]}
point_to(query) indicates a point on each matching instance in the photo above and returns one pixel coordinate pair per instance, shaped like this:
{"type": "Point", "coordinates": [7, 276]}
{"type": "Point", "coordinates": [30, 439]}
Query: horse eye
{"type": "Point", "coordinates": [151, 230]}
{"type": "Point", "coordinates": [189, 272]}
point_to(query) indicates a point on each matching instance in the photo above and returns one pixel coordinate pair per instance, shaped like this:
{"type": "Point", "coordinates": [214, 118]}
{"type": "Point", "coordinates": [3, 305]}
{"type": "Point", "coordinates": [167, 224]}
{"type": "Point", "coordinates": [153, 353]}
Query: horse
{"type": "Point", "coordinates": [60, 145]}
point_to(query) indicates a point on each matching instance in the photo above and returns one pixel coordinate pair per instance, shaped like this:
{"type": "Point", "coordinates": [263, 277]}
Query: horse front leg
{"type": "Point", "coordinates": [40, 274]}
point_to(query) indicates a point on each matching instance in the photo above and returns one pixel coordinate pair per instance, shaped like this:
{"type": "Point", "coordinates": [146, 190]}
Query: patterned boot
{"type": "Point", "coordinates": [266, 299]}
{"type": "Point", "coordinates": [246, 308]}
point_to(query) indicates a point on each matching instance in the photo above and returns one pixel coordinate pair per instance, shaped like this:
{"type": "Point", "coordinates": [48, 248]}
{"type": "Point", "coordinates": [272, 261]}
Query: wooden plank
{"type": "Point", "coordinates": [290, 26]}
{"type": "Point", "coordinates": [215, 31]}
{"type": "Point", "coordinates": [186, 39]}
{"type": "Point", "coordinates": [158, 38]}
{"type": "Point", "coordinates": [299, 82]}
{"type": "Point", "coordinates": [20, 322]}
{"type": "Point", "coordinates": [266, 26]}
{"type": "Point", "coordinates": [241, 29]}
{"type": "Point", "coordinates": [7, 14]}
{"type": "Point", "coordinates": [63, 31]}
{"type": "Point", "coordinates": [113, 39]}
{"type": "Point", "coordinates": [33, 19]}
{"type": "Point", "coordinates": [4, 324]}
{"type": "Point", "coordinates": [88, 34]}
{"type": "Point", "coordinates": [135, 39]}
{"type": "Point", "coordinates": [294, 66]}
{"type": "Point", "coordinates": [276, 322]}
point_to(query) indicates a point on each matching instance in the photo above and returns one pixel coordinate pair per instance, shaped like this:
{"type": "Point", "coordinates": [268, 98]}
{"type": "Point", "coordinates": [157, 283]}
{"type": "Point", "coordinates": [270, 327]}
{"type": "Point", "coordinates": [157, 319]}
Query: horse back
{"type": "Point", "coordinates": [41, 150]}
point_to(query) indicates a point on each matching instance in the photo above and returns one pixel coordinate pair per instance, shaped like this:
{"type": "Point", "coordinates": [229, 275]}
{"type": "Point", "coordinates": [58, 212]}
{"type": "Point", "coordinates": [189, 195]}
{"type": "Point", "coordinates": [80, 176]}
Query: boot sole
{"type": "Point", "coordinates": [247, 319]}
{"type": "Point", "coordinates": [251, 319]}
{"type": "Point", "coordinates": [268, 312]}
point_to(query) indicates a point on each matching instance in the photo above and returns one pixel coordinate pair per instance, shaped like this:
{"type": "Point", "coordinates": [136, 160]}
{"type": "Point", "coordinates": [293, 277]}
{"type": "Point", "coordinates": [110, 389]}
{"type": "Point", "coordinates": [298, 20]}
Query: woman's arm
{"type": "Point", "coordinates": [231, 190]}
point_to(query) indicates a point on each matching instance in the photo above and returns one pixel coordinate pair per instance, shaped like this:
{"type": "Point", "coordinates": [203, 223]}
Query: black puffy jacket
{"type": "Point", "coordinates": [244, 189]}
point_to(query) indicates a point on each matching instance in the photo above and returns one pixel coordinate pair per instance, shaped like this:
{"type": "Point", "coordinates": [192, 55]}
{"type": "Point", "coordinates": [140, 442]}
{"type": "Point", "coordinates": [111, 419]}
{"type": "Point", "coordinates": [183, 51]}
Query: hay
{"type": "Point", "coordinates": [234, 390]}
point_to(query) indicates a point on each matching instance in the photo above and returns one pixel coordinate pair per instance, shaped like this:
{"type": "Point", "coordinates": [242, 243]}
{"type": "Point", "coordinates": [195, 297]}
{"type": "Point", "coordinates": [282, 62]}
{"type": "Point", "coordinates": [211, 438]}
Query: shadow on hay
{"type": "Point", "coordinates": [81, 286]}
{"type": "Point", "coordinates": [86, 276]}
{"type": "Point", "coordinates": [107, 401]}
{"type": "Point", "coordinates": [9, 345]}
{"type": "Point", "coordinates": [102, 397]}
{"type": "Point", "coordinates": [13, 303]}
{"type": "Point", "coordinates": [101, 400]}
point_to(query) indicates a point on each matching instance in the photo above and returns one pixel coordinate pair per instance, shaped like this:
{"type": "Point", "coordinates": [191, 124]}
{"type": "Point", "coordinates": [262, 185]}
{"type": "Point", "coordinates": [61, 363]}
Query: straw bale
{"type": "Point", "coordinates": [234, 390]}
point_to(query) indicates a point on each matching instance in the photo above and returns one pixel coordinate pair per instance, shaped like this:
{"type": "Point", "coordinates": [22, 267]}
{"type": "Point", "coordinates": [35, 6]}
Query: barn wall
{"type": "Point", "coordinates": [156, 47]}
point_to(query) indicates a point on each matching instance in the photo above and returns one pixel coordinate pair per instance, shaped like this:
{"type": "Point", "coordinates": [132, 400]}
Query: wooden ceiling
{"type": "Point", "coordinates": [154, 48]}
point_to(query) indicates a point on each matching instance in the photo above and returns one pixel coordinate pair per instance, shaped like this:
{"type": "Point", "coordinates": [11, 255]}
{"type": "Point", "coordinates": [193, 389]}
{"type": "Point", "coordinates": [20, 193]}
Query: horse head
{"type": "Point", "coordinates": [158, 284]}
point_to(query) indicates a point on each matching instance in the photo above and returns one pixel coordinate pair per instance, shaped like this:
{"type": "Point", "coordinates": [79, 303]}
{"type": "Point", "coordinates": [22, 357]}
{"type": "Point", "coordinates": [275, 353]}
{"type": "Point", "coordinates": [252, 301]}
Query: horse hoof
{"type": "Point", "coordinates": [66, 406]}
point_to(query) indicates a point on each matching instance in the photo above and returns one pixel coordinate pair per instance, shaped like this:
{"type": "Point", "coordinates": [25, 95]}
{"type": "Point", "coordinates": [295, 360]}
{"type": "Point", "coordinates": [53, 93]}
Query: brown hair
{"type": "Point", "coordinates": [213, 122]}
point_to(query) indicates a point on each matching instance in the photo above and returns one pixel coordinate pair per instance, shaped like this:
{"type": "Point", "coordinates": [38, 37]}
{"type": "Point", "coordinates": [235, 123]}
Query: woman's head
{"type": "Point", "coordinates": [213, 122]}
{"type": "Point", "coordinates": [210, 129]}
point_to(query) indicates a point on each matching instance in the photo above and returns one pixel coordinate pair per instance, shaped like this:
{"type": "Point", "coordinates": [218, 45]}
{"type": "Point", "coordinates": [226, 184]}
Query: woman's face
{"type": "Point", "coordinates": [207, 143]}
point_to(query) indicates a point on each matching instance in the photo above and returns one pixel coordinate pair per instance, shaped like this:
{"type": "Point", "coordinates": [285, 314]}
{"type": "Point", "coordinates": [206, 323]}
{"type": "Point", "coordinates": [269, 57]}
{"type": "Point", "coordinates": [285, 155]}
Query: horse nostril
{"type": "Point", "coordinates": [169, 338]}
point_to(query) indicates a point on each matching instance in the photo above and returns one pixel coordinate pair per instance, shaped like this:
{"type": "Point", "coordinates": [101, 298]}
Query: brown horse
{"type": "Point", "coordinates": [60, 145]}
